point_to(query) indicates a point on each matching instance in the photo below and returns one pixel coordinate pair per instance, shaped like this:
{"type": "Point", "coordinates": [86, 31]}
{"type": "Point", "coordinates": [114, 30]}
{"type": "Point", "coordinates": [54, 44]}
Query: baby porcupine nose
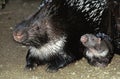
{"type": "Point", "coordinates": [83, 39]}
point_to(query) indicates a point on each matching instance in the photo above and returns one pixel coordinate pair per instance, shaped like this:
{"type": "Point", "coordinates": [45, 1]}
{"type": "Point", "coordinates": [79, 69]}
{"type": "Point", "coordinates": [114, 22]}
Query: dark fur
{"type": "Point", "coordinates": [115, 7]}
{"type": "Point", "coordinates": [59, 20]}
{"type": "Point", "coordinates": [95, 46]}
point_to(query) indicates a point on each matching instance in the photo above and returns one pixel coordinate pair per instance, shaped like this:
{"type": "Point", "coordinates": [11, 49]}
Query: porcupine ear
{"type": "Point", "coordinates": [99, 40]}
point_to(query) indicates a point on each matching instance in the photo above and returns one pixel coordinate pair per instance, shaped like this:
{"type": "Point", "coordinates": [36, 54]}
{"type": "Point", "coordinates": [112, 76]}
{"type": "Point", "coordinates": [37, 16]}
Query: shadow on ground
{"type": "Point", "coordinates": [12, 55]}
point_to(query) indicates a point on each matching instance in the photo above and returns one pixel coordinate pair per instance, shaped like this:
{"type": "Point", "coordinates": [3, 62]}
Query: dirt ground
{"type": "Point", "coordinates": [12, 55]}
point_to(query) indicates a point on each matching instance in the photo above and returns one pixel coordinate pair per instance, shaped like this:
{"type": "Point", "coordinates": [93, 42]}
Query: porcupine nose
{"type": "Point", "coordinates": [18, 36]}
{"type": "Point", "coordinates": [83, 39]}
